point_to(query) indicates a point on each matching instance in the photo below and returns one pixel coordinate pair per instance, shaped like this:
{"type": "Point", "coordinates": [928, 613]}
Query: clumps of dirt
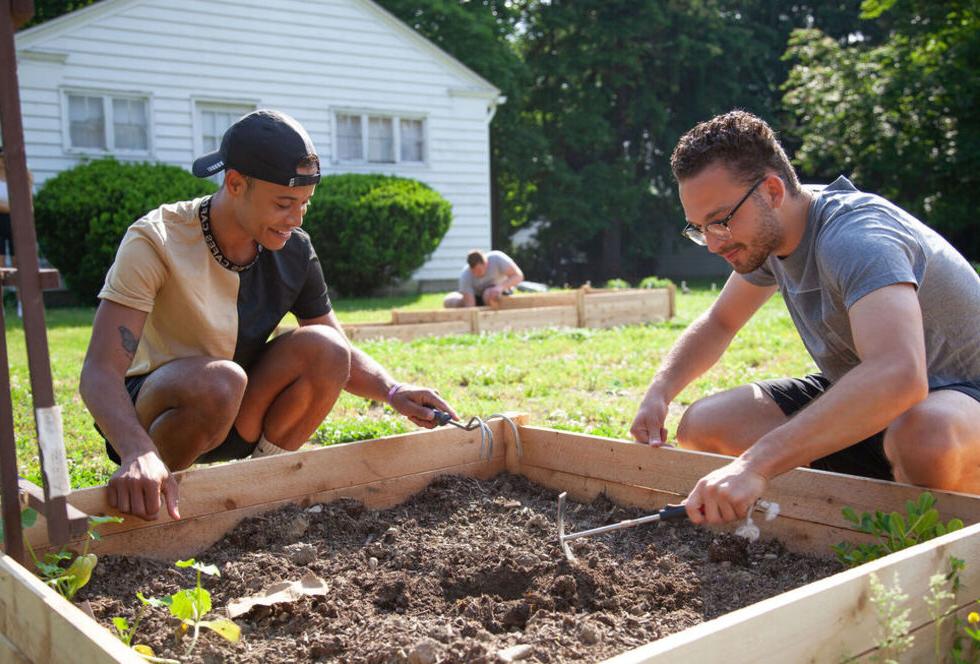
{"type": "Point", "coordinates": [466, 571]}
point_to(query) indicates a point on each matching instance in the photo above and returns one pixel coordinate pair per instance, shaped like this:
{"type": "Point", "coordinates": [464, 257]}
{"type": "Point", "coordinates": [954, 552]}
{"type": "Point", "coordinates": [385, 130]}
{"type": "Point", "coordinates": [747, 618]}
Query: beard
{"type": "Point", "coordinates": [768, 237]}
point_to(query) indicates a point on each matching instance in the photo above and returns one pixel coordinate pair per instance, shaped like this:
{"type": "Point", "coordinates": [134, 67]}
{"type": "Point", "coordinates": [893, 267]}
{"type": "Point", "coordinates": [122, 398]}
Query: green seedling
{"type": "Point", "coordinates": [67, 581]}
{"type": "Point", "coordinates": [191, 605]}
{"type": "Point", "coordinates": [126, 632]}
{"type": "Point", "coordinates": [895, 530]}
{"type": "Point", "coordinates": [28, 517]}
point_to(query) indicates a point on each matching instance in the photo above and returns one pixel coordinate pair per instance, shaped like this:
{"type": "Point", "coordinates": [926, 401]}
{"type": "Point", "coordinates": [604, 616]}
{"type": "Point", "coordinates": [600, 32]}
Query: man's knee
{"type": "Point", "coordinates": [697, 429]}
{"type": "Point", "coordinates": [324, 353]}
{"type": "Point", "coordinates": [453, 301]}
{"type": "Point", "coordinates": [923, 445]}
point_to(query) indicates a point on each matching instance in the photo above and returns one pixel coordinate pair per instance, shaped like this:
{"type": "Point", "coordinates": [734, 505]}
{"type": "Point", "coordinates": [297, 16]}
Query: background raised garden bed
{"type": "Point", "coordinates": [585, 307]}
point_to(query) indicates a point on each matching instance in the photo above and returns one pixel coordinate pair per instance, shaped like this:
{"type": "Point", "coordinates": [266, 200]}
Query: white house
{"type": "Point", "coordinates": [160, 80]}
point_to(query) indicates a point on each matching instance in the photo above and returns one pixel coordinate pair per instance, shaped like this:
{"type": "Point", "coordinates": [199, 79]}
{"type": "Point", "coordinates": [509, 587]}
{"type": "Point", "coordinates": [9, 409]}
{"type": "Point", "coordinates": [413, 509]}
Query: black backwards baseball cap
{"type": "Point", "coordinates": [265, 144]}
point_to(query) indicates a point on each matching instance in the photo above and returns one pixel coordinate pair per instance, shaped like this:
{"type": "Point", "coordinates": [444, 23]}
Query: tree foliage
{"type": "Point", "coordinates": [899, 116]}
{"type": "Point", "coordinates": [45, 10]}
{"type": "Point", "coordinates": [616, 82]}
{"type": "Point", "coordinates": [484, 35]}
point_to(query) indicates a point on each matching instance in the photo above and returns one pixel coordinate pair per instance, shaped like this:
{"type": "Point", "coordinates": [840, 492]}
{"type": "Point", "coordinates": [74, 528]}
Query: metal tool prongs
{"type": "Point", "coordinates": [665, 514]}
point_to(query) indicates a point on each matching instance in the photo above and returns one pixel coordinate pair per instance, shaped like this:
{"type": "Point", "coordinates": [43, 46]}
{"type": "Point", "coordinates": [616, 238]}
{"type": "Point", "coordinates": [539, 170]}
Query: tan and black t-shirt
{"type": "Point", "coordinates": [201, 304]}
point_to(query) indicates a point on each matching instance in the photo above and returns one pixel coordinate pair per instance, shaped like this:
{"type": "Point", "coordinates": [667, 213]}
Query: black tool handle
{"type": "Point", "coordinates": [673, 512]}
{"type": "Point", "coordinates": [440, 417]}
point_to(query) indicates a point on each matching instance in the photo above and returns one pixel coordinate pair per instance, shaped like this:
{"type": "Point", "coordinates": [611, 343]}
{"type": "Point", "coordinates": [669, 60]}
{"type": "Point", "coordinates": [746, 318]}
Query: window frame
{"type": "Point", "coordinates": [107, 96]}
{"type": "Point", "coordinates": [199, 104]}
{"type": "Point", "coordinates": [396, 119]}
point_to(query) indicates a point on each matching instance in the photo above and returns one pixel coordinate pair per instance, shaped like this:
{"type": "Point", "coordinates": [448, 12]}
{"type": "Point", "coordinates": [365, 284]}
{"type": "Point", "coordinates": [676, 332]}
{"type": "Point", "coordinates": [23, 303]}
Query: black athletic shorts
{"type": "Point", "coordinates": [6, 234]}
{"type": "Point", "coordinates": [233, 446]}
{"type": "Point", "coordinates": [866, 458]}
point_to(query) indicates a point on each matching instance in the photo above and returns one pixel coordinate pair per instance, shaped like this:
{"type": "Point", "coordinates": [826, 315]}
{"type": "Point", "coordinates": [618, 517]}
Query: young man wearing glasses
{"type": "Point", "coordinates": [889, 311]}
{"type": "Point", "coordinates": [180, 369]}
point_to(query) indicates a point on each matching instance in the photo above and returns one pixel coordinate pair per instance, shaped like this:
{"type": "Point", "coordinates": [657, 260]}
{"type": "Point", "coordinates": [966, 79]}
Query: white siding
{"type": "Point", "coordinates": [308, 58]}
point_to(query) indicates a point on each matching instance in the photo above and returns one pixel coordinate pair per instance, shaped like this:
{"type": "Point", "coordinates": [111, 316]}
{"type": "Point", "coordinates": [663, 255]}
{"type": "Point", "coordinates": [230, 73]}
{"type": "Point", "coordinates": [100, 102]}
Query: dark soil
{"type": "Point", "coordinates": [466, 571]}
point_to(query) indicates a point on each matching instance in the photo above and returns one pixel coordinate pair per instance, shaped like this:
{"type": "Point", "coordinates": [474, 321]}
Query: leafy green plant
{"type": "Point", "coordinates": [68, 580]}
{"type": "Point", "coordinates": [894, 530]}
{"type": "Point", "coordinates": [92, 205]}
{"type": "Point", "coordinates": [655, 282]}
{"type": "Point", "coordinates": [371, 230]}
{"type": "Point", "coordinates": [126, 632]}
{"type": "Point", "coordinates": [968, 653]}
{"type": "Point", "coordinates": [191, 605]}
{"type": "Point", "coordinates": [616, 284]}
{"type": "Point", "coordinates": [28, 517]}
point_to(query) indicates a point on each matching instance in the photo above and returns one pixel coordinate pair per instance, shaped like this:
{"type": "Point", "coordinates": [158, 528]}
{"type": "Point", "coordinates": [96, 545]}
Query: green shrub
{"type": "Point", "coordinates": [655, 282]}
{"type": "Point", "coordinates": [616, 284]}
{"type": "Point", "coordinates": [373, 230]}
{"type": "Point", "coordinates": [82, 214]}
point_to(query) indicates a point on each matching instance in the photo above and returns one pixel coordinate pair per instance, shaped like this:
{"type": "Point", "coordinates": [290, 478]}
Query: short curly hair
{"type": "Point", "coordinates": [743, 142]}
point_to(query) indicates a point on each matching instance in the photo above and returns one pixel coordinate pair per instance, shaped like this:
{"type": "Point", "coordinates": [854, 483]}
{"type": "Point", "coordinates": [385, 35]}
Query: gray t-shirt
{"type": "Point", "coordinates": [856, 243]}
{"type": "Point", "coordinates": [498, 263]}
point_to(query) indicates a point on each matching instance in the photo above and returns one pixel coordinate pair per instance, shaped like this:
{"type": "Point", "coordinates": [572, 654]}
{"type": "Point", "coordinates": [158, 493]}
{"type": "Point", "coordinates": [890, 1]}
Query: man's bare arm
{"type": "Point", "coordinates": [888, 335]}
{"type": "Point", "coordinates": [696, 351]}
{"type": "Point", "coordinates": [116, 333]}
{"type": "Point", "coordinates": [370, 380]}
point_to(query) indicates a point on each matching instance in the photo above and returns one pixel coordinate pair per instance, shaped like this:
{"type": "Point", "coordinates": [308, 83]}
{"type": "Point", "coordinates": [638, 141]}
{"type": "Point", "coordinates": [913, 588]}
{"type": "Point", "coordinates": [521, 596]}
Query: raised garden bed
{"type": "Point", "coordinates": [585, 307]}
{"type": "Point", "coordinates": [819, 622]}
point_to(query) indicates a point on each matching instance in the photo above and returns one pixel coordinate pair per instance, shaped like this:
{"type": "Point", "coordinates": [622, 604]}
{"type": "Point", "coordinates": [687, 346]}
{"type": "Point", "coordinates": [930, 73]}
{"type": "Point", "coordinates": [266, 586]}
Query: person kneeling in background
{"type": "Point", "coordinates": [485, 279]}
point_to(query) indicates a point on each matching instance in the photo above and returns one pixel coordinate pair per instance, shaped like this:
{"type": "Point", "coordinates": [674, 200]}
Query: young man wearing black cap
{"type": "Point", "coordinates": [179, 369]}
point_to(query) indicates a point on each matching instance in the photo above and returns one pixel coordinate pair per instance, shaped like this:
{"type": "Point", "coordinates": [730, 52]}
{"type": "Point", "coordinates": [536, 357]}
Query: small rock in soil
{"type": "Point", "coordinates": [301, 553]}
{"type": "Point", "coordinates": [297, 527]}
{"type": "Point", "coordinates": [589, 634]}
{"type": "Point", "coordinates": [514, 653]}
{"type": "Point", "coordinates": [424, 652]}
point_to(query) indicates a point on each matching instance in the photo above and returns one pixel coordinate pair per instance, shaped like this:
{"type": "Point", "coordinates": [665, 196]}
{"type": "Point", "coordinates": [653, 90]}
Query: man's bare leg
{"type": "Point", "coordinates": [294, 385]}
{"type": "Point", "coordinates": [453, 300]}
{"type": "Point", "coordinates": [729, 422]}
{"type": "Point", "coordinates": [936, 443]}
{"type": "Point", "coordinates": [188, 406]}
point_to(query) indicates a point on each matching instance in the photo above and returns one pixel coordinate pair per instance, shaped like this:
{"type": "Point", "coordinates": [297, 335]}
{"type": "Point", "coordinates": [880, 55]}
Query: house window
{"type": "Point", "coordinates": [379, 139]}
{"type": "Point", "coordinates": [108, 122]}
{"type": "Point", "coordinates": [412, 140]}
{"type": "Point", "coordinates": [350, 145]}
{"type": "Point", "coordinates": [215, 120]}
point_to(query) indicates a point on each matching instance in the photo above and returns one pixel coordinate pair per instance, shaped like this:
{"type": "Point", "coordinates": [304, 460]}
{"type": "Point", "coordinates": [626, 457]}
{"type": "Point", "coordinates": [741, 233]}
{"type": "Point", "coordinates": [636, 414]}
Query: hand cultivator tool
{"type": "Point", "coordinates": [665, 514]}
{"type": "Point", "coordinates": [748, 530]}
{"type": "Point", "coordinates": [486, 434]}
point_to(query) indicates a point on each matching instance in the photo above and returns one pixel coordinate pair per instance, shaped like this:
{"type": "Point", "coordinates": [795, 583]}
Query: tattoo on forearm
{"type": "Point", "coordinates": [128, 340]}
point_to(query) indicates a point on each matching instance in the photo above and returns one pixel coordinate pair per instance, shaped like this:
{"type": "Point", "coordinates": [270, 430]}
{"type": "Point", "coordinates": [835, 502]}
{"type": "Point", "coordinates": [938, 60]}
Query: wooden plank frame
{"type": "Point", "coordinates": [819, 622]}
{"type": "Point", "coordinates": [585, 307]}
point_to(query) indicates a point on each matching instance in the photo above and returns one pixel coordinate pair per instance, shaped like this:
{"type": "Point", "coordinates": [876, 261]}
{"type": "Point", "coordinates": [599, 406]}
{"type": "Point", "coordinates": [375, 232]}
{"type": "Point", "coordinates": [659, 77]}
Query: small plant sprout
{"type": "Point", "coordinates": [191, 605]}
{"type": "Point", "coordinates": [941, 599]}
{"type": "Point", "coordinates": [126, 632]}
{"type": "Point", "coordinates": [67, 581]}
{"type": "Point", "coordinates": [893, 621]}
{"type": "Point", "coordinates": [896, 531]}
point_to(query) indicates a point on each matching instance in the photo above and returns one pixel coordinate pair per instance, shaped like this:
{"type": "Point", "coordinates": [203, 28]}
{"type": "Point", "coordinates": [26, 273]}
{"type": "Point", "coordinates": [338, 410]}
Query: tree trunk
{"type": "Point", "coordinates": [612, 249]}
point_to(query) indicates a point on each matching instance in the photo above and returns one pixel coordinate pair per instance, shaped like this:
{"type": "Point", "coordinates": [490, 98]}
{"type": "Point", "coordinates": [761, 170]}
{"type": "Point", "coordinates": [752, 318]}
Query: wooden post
{"type": "Point", "coordinates": [46, 413]}
{"type": "Point", "coordinates": [580, 305]}
{"type": "Point", "coordinates": [13, 534]}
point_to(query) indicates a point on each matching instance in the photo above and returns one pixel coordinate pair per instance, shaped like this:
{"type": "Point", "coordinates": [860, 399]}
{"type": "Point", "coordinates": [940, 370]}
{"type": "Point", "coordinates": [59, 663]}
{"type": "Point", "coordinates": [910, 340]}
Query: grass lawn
{"type": "Point", "coordinates": [576, 379]}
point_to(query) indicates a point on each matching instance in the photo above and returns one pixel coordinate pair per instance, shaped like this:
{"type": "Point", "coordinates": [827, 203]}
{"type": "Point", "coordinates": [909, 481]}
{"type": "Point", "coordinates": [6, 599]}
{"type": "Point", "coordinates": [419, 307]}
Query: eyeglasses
{"type": "Point", "coordinates": [718, 229]}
